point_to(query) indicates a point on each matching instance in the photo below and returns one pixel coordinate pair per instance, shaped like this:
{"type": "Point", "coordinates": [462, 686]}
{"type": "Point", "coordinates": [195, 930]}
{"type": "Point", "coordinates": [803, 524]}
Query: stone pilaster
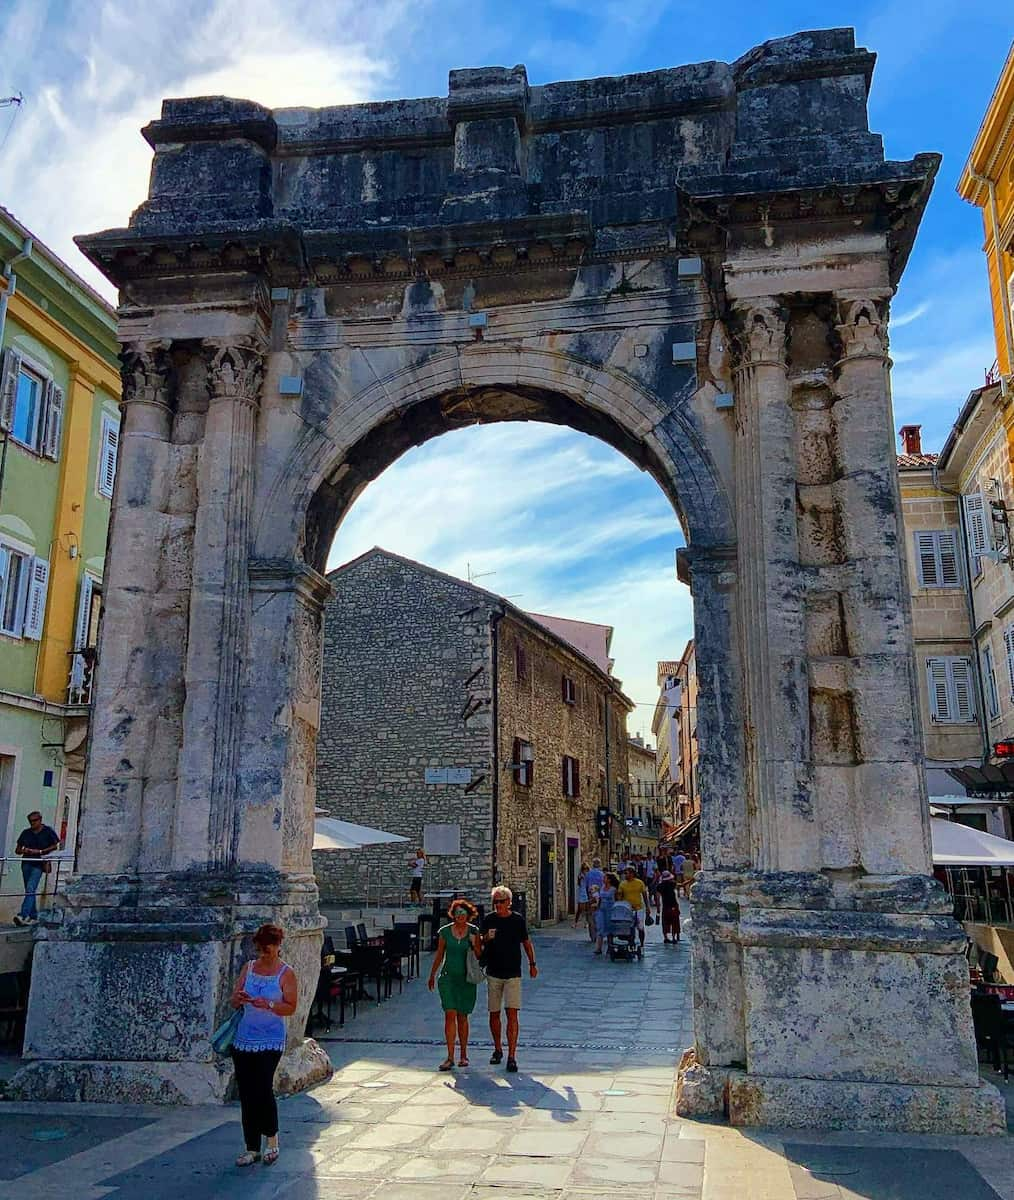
{"type": "Point", "coordinates": [207, 818]}
{"type": "Point", "coordinates": [891, 817]}
{"type": "Point", "coordinates": [127, 684]}
{"type": "Point", "coordinates": [771, 620]}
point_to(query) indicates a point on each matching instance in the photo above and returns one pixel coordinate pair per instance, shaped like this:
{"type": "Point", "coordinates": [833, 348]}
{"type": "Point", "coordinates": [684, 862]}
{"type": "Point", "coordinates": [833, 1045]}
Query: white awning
{"type": "Point", "coordinates": [331, 834]}
{"type": "Point", "coordinates": [957, 845]}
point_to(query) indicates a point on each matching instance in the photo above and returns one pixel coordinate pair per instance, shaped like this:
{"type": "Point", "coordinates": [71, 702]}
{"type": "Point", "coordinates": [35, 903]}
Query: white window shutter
{"type": "Point", "coordinates": [84, 608]}
{"type": "Point", "coordinates": [964, 696]}
{"type": "Point", "coordinates": [950, 564]}
{"type": "Point", "coordinates": [989, 679]}
{"type": "Point", "coordinates": [35, 609]}
{"type": "Point", "coordinates": [976, 524]}
{"type": "Point", "coordinates": [939, 695]}
{"type": "Point", "coordinates": [53, 436]}
{"type": "Point", "coordinates": [9, 388]}
{"type": "Point", "coordinates": [926, 558]}
{"type": "Point", "coordinates": [108, 454]}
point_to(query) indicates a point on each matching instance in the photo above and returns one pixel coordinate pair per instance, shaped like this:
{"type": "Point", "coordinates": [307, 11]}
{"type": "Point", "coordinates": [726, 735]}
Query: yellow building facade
{"type": "Point", "coordinates": [988, 182]}
{"type": "Point", "coordinates": [59, 433]}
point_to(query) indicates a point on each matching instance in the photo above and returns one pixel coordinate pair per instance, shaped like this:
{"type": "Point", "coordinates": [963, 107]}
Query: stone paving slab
{"type": "Point", "coordinates": [574, 1124]}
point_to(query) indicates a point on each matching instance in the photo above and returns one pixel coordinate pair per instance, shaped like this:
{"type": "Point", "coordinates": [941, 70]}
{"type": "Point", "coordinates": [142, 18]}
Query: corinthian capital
{"type": "Point", "coordinates": [146, 373]}
{"type": "Point", "coordinates": [862, 326]}
{"type": "Point", "coordinates": [235, 370]}
{"type": "Point", "coordinates": [759, 331]}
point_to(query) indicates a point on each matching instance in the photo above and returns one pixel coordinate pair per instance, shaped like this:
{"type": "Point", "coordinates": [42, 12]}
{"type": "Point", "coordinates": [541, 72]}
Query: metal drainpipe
{"type": "Point", "coordinates": [980, 691]}
{"type": "Point", "coordinates": [495, 618]}
{"type": "Point", "coordinates": [1005, 298]}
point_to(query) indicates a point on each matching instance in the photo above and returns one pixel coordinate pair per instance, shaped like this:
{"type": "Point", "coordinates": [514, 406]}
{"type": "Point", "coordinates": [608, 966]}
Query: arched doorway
{"type": "Point", "coordinates": [304, 296]}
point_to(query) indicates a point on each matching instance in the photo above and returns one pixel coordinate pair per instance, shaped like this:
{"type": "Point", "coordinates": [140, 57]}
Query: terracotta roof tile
{"type": "Point", "coordinates": [915, 461]}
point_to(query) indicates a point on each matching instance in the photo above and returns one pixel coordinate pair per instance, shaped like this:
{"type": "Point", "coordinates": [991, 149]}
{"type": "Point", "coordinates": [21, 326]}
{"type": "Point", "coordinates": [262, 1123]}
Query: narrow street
{"type": "Point", "coordinates": [588, 1116]}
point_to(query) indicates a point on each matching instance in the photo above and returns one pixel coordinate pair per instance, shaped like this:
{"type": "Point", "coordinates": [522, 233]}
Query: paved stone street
{"type": "Point", "coordinates": [587, 1116]}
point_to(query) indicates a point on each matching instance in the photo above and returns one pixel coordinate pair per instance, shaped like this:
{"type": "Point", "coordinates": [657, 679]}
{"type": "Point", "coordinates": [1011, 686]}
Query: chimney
{"type": "Point", "coordinates": [911, 439]}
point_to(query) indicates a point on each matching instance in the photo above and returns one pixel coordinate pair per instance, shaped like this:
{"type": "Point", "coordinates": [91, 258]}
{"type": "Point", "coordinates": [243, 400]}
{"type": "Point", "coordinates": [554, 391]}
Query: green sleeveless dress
{"type": "Point", "coordinates": [456, 993]}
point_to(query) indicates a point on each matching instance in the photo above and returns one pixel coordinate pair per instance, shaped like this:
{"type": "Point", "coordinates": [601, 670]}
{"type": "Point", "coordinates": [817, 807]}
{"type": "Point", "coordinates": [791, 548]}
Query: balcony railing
{"type": "Point", "coordinates": [82, 673]}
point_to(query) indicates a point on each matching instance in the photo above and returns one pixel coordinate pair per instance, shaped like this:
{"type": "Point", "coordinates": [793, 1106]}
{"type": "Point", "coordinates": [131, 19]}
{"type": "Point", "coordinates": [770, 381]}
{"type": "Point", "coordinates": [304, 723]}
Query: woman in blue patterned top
{"type": "Point", "coordinates": [267, 992]}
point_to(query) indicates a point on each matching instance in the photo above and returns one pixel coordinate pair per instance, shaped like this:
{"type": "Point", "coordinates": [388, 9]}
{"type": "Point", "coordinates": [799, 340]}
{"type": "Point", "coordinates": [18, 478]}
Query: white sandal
{"type": "Point", "coordinates": [248, 1159]}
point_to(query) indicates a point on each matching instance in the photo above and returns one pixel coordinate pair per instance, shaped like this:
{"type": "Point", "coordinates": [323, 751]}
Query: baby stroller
{"type": "Point", "coordinates": [623, 940]}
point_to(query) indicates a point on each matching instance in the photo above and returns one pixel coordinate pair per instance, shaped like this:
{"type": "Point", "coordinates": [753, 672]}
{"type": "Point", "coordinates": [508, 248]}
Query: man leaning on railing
{"type": "Point", "coordinates": [34, 842]}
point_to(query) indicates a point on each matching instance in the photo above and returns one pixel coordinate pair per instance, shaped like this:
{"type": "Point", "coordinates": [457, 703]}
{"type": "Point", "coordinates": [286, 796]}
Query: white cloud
{"type": "Point", "coordinates": [75, 161]}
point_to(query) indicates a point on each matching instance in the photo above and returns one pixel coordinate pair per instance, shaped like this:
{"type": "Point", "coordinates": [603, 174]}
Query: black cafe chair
{"type": "Point", "coordinates": [994, 1030]}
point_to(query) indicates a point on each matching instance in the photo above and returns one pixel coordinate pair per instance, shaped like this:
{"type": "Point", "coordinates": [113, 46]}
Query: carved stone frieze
{"type": "Point", "coordinates": [235, 370]}
{"type": "Point", "coordinates": [862, 326]}
{"type": "Point", "coordinates": [759, 331]}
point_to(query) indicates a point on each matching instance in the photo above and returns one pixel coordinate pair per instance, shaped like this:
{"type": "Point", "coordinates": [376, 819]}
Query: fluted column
{"type": "Point", "coordinates": [891, 816]}
{"type": "Point", "coordinates": [207, 821]}
{"type": "Point", "coordinates": [771, 614]}
{"type": "Point", "coordinates": [128, 684]}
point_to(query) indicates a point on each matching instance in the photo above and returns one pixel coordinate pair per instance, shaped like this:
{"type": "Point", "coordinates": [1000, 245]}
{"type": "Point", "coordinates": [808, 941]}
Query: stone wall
{"type": "Point", "coordinates": [405, 686]}
{"type": "Point", "coordinates": [532, 708]}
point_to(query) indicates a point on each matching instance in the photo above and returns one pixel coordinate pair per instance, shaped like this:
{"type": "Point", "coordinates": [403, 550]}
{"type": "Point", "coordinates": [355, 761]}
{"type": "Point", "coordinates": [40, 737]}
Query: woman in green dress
{"type": "Point", "coordinates": [457, 995]}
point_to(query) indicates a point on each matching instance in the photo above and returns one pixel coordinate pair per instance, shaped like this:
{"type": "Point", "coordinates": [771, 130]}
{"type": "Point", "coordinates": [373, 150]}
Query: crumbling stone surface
{"type": "Point", "coordinates": [694, 265]}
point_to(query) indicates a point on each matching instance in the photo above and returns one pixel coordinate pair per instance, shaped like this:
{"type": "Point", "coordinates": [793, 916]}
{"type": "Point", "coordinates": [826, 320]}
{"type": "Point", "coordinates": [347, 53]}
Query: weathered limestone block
{"type": "Point", "coordinates": [301, 1067]}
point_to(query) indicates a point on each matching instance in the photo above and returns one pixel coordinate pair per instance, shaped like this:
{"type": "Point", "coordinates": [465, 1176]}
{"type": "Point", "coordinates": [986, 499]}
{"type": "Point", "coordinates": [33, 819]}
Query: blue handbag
{"type": "Point", "coordinates": [221, 1039]}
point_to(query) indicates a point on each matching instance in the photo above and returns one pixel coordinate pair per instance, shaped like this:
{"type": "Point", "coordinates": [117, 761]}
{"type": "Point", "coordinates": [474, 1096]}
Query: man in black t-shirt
{"type": "Point", "coordinates": [504, 936]}
{"type": "Point", "coordinates": [33, 843]}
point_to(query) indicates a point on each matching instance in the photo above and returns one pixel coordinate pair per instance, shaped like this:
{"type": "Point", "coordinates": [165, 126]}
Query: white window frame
{"type": "Point", "coordinates": [989, 683]}
{"type": "Point", "coordinates": [109, 453]}
{"type": "Point", "coordinates": [571, 776]}
{"type": "Point", "coordinates": [47, 431]}
{"type": "Point", "coordinates": [950, 686]}
{"type": "Point", "coordinates": [8, 547]}
{"type": "Point", "coordinates": [937, 560]}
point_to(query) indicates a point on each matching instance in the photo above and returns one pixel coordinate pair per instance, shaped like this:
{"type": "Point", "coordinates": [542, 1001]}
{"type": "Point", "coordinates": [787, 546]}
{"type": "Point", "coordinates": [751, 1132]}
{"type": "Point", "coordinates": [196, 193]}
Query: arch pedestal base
{"type": "Point", "coordinates": [832, 1005]}
{"type": "Point", "coordinates": [131, 978]}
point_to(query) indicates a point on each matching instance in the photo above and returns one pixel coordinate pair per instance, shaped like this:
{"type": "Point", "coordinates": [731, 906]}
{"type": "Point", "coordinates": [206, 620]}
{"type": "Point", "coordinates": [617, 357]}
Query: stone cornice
{"type": "Point", "coordinates": [289, 575]}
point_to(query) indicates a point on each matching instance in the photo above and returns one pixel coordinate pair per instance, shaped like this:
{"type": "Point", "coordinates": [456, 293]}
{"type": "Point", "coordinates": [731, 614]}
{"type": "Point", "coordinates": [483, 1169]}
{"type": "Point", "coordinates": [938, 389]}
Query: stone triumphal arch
{"type": "Point", "coordinates": [693, 264]}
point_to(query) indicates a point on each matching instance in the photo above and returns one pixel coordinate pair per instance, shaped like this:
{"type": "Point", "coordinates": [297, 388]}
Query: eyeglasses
{"type": "Point", "coordinates": [499, 902]}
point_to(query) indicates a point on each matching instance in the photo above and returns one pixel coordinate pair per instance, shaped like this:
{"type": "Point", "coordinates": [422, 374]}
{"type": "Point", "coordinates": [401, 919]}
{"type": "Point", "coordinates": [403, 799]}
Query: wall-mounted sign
{"type": "Point", "coordinates": [448, 775]}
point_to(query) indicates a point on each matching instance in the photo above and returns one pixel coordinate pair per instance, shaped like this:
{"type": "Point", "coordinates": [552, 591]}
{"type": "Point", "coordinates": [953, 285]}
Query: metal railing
{"type": "Point", "coordinates": [982, 896]}
{"type": "Point", "coordinates": [12, 887]}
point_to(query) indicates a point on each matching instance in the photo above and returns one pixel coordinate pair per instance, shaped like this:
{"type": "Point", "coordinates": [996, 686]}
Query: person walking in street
{"type": "Point", "coordinates": [596, 876]}
{"type": "Point", "coordinates": [417, 864]}
{"type": "Point", "coordinates": [34, 842]}
{"type": "Point", "coordinates": [607, 898]}
{"type": "Point", "coordinates": [457, 995]}
{"type": "Point", "coordinates": [670, 907]}
{"type": "Point", "coordinates": [505, 935]}
{"type": "Point", "coordinates": [633, 891]}
{"type": "Point", "coordinates": [267, 991]}
{"type": "Point", "coordinates": [582, 895]}
{"type": "Point", "coordinates": [686, 880]}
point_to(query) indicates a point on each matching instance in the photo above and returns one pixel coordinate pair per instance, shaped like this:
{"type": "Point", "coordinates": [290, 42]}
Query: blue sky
{"type": "Point", "coordinates": [567, 525]}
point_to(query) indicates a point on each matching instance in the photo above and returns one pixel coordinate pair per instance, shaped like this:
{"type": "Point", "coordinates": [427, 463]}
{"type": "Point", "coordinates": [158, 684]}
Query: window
{"type": "Point", "coordinates": [522, 854]}
{"type": "Point", "coordinates": [989, 683]}
{"type": "Point", "coordinates": [107, 455]}
{"type": "Point", "coordinates": [569, 690]}
{"type": "Point", "coordinates": [31, 407]}
{"type": "Point", "coordinates": [936, 558]}
{"type": "Point", "coordinates": [24, 582]}
{"type": "Point", "coordinates": [524, 763]}
{"type": "Point", "coordinates": [976, 529]}
{"type": "Point", "coordinates": [1008, 647]}
{"type": "Point", "coordinates": [571, 776]}
{"type": "Point", "coordinates": [951, 693]}
{"type": "Point", "coordinates": [86, 634]}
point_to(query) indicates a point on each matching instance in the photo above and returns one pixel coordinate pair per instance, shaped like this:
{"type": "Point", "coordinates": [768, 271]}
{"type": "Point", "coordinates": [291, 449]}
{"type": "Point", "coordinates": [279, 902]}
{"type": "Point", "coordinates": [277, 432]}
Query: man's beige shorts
{"type": "Point", "coordinates": [503, 993]}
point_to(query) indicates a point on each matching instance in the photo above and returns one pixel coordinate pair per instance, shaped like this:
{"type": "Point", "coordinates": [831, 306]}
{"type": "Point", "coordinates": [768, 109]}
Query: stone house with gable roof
{"type": "Point", "coordinates": [455, 719]}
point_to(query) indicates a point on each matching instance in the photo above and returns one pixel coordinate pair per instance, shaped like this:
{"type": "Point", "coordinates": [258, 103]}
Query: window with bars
{"type": "Point", "coordinates": [524, 763]}
{"type": "Point", "coordinates": [571, 776]}
{"type": "Point", "coordinates": [989, 683]}
{"type": "Point", "coordinates": [936, 557]}
{"type": "Point", "coordinates": [951, 689]}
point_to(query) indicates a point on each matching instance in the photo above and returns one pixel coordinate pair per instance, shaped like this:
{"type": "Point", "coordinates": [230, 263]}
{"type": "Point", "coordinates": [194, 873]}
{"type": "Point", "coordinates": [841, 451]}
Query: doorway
{"type": "Point", "coordinates": [547, 877]}
{"type": "Point", "coordinates": [572, 871]}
